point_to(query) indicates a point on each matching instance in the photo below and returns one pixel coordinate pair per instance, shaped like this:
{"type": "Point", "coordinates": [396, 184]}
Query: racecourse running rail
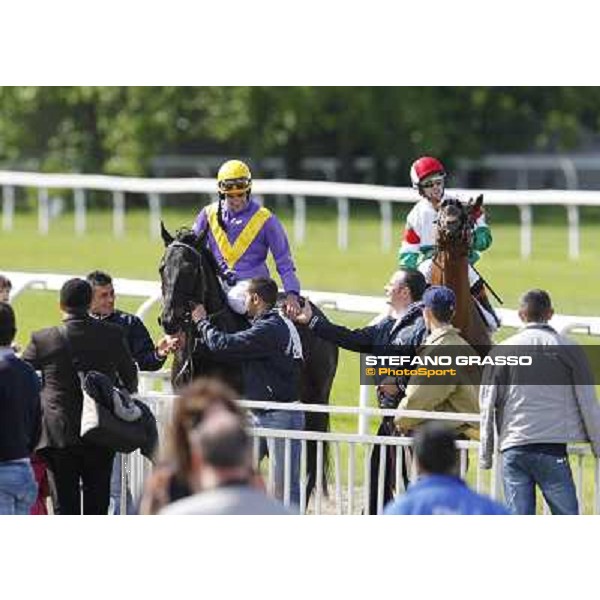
{"type": "Point", "coordinates": [343, 193]}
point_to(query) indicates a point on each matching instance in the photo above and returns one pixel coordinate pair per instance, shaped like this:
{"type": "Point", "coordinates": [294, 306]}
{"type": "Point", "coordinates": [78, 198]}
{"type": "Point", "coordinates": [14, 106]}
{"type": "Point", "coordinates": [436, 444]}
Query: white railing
{"type": "Point", "coordinates": [343, 193]}
{"type": "Point", "coordinates": [345, 495]}
{"type": "Point", "coordinates": [374, 305]}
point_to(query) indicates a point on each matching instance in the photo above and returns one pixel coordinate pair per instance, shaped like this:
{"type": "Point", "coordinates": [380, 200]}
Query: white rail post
{"type": "Point", "coordinates": [299, 219]}
{"type": "Point", "coordinates": [351, 463]}
{"type": "Point", "coordinates": [79, 199]}
{"type": "Point", "coordinates": [43, 211]}
{"type": "Point", "coordinates": [386, 225]}
{"type": "Point", "coordinates": [154, 203]}
{"type": "Point", "coordinates": [596, 508]}
{"type": "Point", "coordinates": [526, 219]}
{"type": "Point", "coordinates": [573, 217]}
{"type": "Point", "coordinates": [343, 216]}
{"type": "Point", "coordinates": [8, 207]}
{"type": "Point", "coordinates": [363, 402]}
{"type": "Point", "coordinates": [118, 214]}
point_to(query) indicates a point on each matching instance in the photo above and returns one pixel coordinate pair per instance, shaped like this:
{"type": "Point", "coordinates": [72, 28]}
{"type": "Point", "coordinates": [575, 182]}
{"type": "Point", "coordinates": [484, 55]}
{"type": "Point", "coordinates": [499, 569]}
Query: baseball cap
{"type": "Point", "coordinates": [439, 297]}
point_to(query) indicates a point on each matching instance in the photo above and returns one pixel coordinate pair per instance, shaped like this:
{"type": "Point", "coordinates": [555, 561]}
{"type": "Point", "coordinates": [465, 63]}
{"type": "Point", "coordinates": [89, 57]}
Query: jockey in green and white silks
{"type": "Point", "coordinates": [418, 240]}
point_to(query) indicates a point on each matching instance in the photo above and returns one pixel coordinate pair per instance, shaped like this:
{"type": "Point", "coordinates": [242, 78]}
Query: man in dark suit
{"type": "Point", "coordinates": [95, 346]}
{"type": "Point", "coordinates": [19, 422]}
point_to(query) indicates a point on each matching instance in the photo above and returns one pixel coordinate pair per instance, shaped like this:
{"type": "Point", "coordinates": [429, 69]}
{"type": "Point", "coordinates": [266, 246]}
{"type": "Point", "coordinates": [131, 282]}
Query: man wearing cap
{"type": "Point", "coordinates": [458, 393]}
{"type": "Point", "coordinates": [97, 346]}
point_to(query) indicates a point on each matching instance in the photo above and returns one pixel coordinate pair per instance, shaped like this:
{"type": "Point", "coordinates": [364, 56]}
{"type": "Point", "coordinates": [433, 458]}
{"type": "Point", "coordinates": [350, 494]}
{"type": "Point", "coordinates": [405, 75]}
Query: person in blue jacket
{"type": "Point", "coordinates": [438, 490]}
{"type": "Point", "coordinates": [270, 355]}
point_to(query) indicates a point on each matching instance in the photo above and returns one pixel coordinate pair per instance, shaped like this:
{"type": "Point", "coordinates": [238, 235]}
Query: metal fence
{"type": "Point", "coordinates": [349, 475]}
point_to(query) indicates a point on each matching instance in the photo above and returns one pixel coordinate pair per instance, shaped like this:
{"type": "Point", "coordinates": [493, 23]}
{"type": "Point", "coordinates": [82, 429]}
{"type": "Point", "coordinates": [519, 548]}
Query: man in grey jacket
{"type": "Point", "coordinates": [535, 420]}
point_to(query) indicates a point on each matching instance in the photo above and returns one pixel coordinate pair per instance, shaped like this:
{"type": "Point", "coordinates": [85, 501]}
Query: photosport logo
{"type": "Point", "coordinates": [441, 365]}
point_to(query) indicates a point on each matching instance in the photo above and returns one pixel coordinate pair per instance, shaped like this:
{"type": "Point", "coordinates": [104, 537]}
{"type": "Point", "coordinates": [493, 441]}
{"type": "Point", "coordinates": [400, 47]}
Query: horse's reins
{"type": "Point", "coordinates": [188, 326]}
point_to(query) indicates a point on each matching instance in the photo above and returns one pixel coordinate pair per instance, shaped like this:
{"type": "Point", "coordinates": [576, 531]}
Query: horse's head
{"type": "Point", "coordinates": [182, 278]}
{"type": "Point", "coordinates": [455, 222]}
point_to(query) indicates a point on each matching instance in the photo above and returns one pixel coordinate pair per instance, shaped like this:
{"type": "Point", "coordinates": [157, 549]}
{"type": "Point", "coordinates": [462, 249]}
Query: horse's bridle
{"type": "Point", "coordinates": [187, 326]}
{"type": "Point", "coordinates": [187, 322]}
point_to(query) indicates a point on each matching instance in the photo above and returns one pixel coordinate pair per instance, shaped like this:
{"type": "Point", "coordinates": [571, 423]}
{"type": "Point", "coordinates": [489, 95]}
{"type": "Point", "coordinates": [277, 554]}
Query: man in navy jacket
{"type": "Point", "coordinates": [402, 328]}
{"type": "Point", "coordinates": [20, 422]}
{"type": "Point", "coordinates": [270, 354]}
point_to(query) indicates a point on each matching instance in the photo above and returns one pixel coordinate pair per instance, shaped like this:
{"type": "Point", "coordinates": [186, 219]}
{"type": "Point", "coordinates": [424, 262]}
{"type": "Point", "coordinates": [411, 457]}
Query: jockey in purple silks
{"type": "Point", "coordinates": [240, 234]}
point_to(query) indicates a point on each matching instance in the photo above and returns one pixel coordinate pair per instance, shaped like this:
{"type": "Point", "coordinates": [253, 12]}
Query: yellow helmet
{"type": "Point", "coordinates": [234, 176]}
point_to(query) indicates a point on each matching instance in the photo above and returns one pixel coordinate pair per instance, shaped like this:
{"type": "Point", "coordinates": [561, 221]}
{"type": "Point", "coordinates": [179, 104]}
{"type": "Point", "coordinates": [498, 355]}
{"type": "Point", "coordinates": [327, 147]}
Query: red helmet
{"type": "Point", "coordinates": [425, 167]}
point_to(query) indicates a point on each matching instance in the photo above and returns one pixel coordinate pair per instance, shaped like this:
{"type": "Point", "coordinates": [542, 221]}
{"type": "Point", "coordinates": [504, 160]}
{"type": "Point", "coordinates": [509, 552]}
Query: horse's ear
{"type": "Point", "coordinates": [202, 237]}
{"type": "Point", "coordinates": [166, 236]}
{"type": "Point", "coordinates": [476, 203]}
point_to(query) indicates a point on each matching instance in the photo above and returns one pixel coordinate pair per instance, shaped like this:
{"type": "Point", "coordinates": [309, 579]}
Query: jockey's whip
{"type": "Point", "coordinates": [488, 286]}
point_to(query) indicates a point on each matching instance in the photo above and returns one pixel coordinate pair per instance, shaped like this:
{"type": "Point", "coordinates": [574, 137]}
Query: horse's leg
{"type": "Point", "coordinates": [318, 373]}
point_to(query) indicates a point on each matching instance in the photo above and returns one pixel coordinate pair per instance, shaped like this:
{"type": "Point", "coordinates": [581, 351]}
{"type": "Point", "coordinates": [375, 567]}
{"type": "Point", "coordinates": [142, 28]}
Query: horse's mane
{"type": "Point", "coordinates": [187, 236]}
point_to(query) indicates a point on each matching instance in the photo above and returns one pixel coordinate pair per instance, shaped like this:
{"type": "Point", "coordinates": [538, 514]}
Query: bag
{"type": "Point", "coordinates": [101, 427]}
{"type": "Point", "coordinates": [99, 423]}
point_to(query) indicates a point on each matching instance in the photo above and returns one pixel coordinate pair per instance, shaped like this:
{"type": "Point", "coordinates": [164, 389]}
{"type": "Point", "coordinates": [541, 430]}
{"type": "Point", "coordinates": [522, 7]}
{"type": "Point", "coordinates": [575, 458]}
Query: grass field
{"type": "Point", "coordinates": [362, 269]}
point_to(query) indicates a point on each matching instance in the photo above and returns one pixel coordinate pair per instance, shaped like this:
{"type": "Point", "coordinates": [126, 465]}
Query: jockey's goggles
{"type": "Point", "coordinates": [234, 185]}
{"type": "Point", "coordinates": [433, 181]}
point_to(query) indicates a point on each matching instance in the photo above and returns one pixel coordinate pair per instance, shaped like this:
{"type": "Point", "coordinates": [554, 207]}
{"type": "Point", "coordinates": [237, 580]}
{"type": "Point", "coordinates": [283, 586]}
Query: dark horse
{"type": "Point", "coordinates": [450, 267]}
{"type": "Point", "coordinates": [189, 276]}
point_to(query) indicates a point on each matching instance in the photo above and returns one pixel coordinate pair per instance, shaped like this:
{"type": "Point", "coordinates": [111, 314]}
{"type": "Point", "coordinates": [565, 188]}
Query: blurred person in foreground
{"type": "Point", "coordinates": [438, 489]}
{"type": "Point", "coordinates": [147, 355]}
{"type": "Point", "coordinates": [20, 422]}
{"type": "Point", "coordinates": [535, 422]}
{"type": "Point", "coordinates": [171, 478]}
{"type": "Point", "coordinates": [221, 471]}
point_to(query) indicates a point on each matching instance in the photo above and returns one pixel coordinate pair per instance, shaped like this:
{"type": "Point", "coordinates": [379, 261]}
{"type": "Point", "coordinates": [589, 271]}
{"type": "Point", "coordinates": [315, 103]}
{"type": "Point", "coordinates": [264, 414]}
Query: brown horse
{"type": "Point", "coordinates": [450, 267]}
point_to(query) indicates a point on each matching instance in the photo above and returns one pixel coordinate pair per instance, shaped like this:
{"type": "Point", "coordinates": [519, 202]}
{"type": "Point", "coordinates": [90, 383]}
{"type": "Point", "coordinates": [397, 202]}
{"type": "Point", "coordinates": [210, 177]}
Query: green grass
{"type": "Point", "coordinates": [362, 269]}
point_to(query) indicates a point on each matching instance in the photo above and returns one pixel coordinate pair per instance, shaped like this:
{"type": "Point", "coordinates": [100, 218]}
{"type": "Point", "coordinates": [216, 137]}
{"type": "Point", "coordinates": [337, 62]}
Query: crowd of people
{"type": "Point", "coordinates": [206, 466]}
